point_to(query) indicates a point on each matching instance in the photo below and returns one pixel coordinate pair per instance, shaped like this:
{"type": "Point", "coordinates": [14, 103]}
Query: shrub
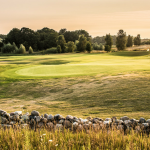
{"type": "Point", "coordinates": [30, 50]}
{"type": "Point", "coordinates": [101, 47]}
{"type": "Point", "coordinates": [15, 47]}
{"type": "Point", "coordinates": [58, 48]}
{"type": "Point", "coordinates": [8, 48]}
{"type": "Point", "coordinates": [107, 48]}
{"type": "Point", "coordinates": [52, 50]}
{"type": "Point", "coordinates": [70, 46]}
{"type": "Point", "coordinates": [21, 50]}
{"type": "Point", "coordinates": [88, 47]}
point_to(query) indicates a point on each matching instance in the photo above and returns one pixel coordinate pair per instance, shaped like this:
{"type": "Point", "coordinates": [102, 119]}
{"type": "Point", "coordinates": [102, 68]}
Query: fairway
{"type": "Point", "coordinates": [99, 85]}
{"type": "Point", "coordinates": [77, 64]}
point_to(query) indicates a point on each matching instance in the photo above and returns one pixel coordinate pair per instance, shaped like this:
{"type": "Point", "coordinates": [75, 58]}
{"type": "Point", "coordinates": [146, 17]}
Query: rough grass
{"type": "Point", "coordinates": [119, 85]}
{"type": "Point", "coordinates": [42, 140]}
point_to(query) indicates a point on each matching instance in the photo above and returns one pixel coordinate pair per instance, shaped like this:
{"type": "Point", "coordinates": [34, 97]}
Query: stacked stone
{"type": "Point", "coordinates": [58, 122]}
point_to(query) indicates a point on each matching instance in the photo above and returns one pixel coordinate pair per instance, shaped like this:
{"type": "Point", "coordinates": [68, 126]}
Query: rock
{"type": "Point", "coordinates": [80, 127]}
{"type": "Point", "coordinates": [89, 118]}
{"type": "Point", "coordinates": [75, 125]}
{"type": "Point", "coordinates": [142, 120]}
{"type": "Point", "coordinates": [120, 127]}
{"type": "Point", "coordinates": [95, 120]}
{"type": "Point", "coordinates": [86, 126]}
{"type": "Point", "coordinates": [12, 113]}
{"type": "Point", "coordinates": [15, 118]}
{"type": "Point", "coordinates": [83, 121]}
{"type": "Point", "coordinates": [58, 117]}
{"type": "Point", "coordinates": [50, 118]}
{"type": "Point", "coordinates": [148, 121]}
{"type": "Point", "coordinates": [113, 119]}
{"type": "Point", "coordinates": [59, 126]}
{"type": "Point", "coordinates": [3, 120]}
{"type": "Point", "coordinates": [61, 121]}
{"type": "Point", "coordinates": [44, 120]}
{"type": "Point", "coordinates": [69, 117]}
{"type": "Point", "coordinates": [6, 115]}
{"type": "Point", "coordinates": [27, 114]}
{"type": "Point", "coordinates": [46, 116]}
{"type": "Point", "coordinates": [108, 119]}
{"type": "Point", "coordinates": [50, 125]}
{"type": "Point", "coordinates": [37, 118]}
{"type": "Point", "coordinates": [40, 125]}
{"type": "Point", "coordinates": [25, 118]}
{"type": "Point", "coordinates": [2, 112]}
{"type": "Point", "coordinates": [18, 113]}
{"type": "Point", "coordinates": [95, 127]}
{"type": "Point", "coordinates": [12, 122]}
{"type": "Point", "coordinates": [144, 125]}
{"type": "Point", "coordinates": [67, 124]}
{"type": "Point", "coordinates": [35, 113]}
{"type": "Point", "coordinates": [124, 118]}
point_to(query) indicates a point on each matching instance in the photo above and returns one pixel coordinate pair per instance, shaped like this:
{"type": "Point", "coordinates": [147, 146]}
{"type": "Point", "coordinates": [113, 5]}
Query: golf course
{"type": "Point", "coordinates": [92, 84]}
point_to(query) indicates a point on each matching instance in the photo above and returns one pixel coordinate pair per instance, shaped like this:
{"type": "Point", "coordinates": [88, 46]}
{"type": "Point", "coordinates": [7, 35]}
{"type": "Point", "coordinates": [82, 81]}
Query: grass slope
{"type": "Point", "coordinates": [99, 85]}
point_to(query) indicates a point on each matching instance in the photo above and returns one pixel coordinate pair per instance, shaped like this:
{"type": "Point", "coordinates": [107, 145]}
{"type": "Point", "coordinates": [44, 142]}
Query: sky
{"type": "Point", "coordinates": [98, 17]}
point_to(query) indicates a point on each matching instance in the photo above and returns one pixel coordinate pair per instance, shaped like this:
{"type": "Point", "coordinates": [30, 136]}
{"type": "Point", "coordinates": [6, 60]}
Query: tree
{"type": "Point", "coordinates": [121, 40]}
{"type": "Point", "coordinates": [129, 41]}
{"type": "Point", "coordinates": [70, 46]}
{"type": "Point", "coordinates": [30, 50]}
{"type": "Point", "coordinates": [137, 40]}
{"type": "Point", "coordinates": [61, 41]}
{"type": "Point", "coordinates": [58, 48]}
{"type": "Point", "coordinates": [62, 31]}
{"type": "Point", "coordinates": [7, 48]}
{"type": "Point", "coordinates": [81, 46]}
{"type": "Point", "coordinates": [22, 49]}
{"type": "Point", "coordinates": [88, 47]}
{"type": "Point", "coordinates": [107, 48]}
{"type": "Point", "coordinates": [71, 36]}
{"type": "Point", "coordinates": [108, 40]}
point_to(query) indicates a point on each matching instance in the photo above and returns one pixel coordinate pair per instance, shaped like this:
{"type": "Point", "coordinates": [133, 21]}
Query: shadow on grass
{"type": "Point", "coordinates": [130, 53]}
{"type": "Point", "coordinates": [54, 62]}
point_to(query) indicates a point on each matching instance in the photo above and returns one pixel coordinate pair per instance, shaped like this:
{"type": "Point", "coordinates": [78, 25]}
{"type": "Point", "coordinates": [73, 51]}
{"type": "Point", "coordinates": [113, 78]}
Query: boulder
{"type": "Point", "coordinates": [18, 113]}
{"type": "Point", "coordinates": [142, 120]}
{"type": "Point", "coordinates": [40, 125]}
{"type": "Point", "coordinates": [35, 113]}
{"type": "Point", "coordinates": [50, 125]}
{"type": "Point", "coordinates": [67, 124]}
{"type": "Point", "coordinates": [69, 117]}
{"type": "Point", "coordinates": [148, 121]}
{"type": "Point", "coordinates": [124, 118]}
{"type": "Point", "coordinates": [75, 125]}
{"type": "Point", "coordinates": [25, 118]}
{"type": "Point", "coordinates": [50, 118]}
{"type": "Point", "coordinates": [3, 120]}
{"type": "Point", "coordinates": [58, 117]}
{"type": "Point", "coordinates": [59, 126]}
{"type": "Point", "coordinates": [46, 116]}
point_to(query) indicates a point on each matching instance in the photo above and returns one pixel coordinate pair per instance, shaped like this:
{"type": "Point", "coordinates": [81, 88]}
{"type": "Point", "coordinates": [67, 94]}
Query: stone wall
{"type": "Point", "coordinates": [50, 122]}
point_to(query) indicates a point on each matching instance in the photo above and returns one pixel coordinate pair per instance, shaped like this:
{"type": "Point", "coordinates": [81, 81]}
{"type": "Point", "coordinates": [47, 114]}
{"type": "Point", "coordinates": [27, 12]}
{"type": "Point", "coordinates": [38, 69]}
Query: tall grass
{"type": "Point", "coordinates": [26, 139]}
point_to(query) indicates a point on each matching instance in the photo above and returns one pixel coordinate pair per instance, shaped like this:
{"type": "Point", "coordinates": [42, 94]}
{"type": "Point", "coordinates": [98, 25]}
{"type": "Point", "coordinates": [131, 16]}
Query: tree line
{"type": "Point", "coordinates": [63, 41]}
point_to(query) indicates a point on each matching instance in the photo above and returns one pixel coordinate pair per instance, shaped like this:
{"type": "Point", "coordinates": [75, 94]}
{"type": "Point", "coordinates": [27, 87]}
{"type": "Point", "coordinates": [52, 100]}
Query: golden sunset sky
{"type": "Point", "coordinates": [98, 17]}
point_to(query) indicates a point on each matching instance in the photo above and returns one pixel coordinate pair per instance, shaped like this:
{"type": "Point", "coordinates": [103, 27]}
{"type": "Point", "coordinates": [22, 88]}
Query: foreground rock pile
{"type": "Point", "coordinates": [50, 122]}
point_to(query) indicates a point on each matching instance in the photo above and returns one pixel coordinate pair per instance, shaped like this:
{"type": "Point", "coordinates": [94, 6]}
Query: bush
{"type": "Point", "coordinates": [15, 47]}
{"type": "Point", "coordinates": [8, 48]}
{"type": "Point", "coordinates": [88, 47]}
{"type": "Point", "coordinates": [58, 48]}
{"type": "Point", "coordinates": [52, 50]}
{"type": "Point", "coordinates": [30, 50]}
{"type": "Point", "coordinates": [107, 48]}
{"type": "Point", "coordinates": [21, 50]}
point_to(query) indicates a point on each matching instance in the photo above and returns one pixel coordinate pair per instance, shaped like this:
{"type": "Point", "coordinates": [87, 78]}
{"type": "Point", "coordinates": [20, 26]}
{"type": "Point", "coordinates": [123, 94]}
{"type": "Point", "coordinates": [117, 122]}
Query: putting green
{"type": "Point", "coordinates": [76, 69]}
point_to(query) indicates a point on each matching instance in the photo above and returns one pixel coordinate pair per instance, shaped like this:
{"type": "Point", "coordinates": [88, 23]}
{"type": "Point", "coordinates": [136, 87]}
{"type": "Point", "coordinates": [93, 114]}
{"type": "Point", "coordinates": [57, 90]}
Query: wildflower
{"type": "Point", "coordinates": [44, 134]}
{"type": "Point", "coordinates": [56, 145]}
{"type": "Point", "coordinates": [50, 140]}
